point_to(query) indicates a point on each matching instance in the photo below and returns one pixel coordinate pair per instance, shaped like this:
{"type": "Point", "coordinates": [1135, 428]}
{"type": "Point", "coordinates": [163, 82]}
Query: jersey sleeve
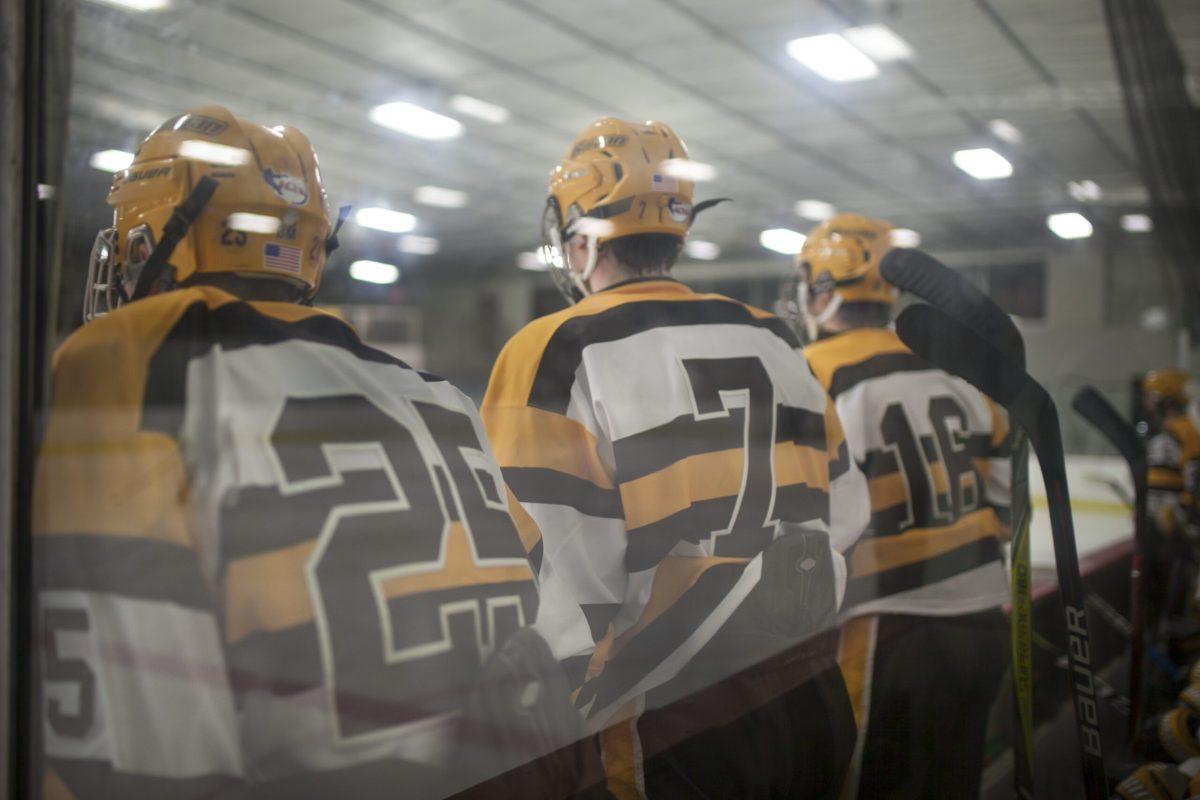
{"type": "Point", "coordinates": [849, 499]}
{"type": "Point", "coordinates": [553, 467]}
{"type": "Point", "coordinates": [997, 467]}
{"type": "Point", "coordinates": [134, 694]}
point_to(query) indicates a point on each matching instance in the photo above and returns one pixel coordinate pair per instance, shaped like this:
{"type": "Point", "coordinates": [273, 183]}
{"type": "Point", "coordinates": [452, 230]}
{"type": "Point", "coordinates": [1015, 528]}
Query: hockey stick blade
{"type": "Point", "coordinates": [921, 274]}
{"type": "Point", "coordinates": [1093, 407]}
{"type": "Point", "coordinates": [959, 350]}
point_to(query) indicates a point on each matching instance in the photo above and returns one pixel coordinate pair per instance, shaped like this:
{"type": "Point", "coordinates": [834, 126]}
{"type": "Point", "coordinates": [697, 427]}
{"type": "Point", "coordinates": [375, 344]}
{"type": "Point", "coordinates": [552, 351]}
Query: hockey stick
{"type": "Point", "coordinates": [959, 350]}
{"type": "Point", "coordinates": [924, 276]}
{"type": "Point", "coordinates": [1093, 407]}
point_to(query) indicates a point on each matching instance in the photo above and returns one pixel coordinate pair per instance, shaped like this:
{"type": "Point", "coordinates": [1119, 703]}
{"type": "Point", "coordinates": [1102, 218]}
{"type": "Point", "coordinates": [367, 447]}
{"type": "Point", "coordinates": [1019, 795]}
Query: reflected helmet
{"type": "Point", "coordinates": [841, 256]}
{"type": "Point", "coordinates": [617, 179]}
{"type": "Point", "coordinates": [268, 215]}
{"type": "Point", "coordinates": [1168, 383]}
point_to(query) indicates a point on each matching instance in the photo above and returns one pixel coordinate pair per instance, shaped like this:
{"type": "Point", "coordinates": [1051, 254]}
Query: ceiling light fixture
{"type": "Point", "coordinates": [1084, 191]}
{"type": "Point", "coordinates": [701, 250]}
{"type": "Point", "coordinates": [415, 121]}
{"type": "Point", "coordinates": [1005, 131]}
{"type": "Point", "coordinates": [816, 210]}
{"type": "Point", "coordinates": [687, 170]}
{"type": "Point", "coordinates": [137, 5]}
{"type": "Point", "coordinates": [440, 197]}
{"type": "Point", "coordinates": [110, 160]}
{"type": "Point", "coordinates": [480, 109]}
{"type": "Point", "coordinates": [384, 219]}
{"type": "Point", "coordinates": [213, 153]}
{"type": "Point", "coordinates": [782, 240]}
{"type": "Point", "coordinates": [1137, 223]}
{"type": "Point", "coordinates": [982, 163]}
{"type": "Point", "coordinates": [417, 245]}
{"type": "Point", "coordinates": [905, 237]}
{"type": "Point", "coordinates": [879, 42]}
{"type": "Point", "coordinates": [374, 272]}
{"type": "Point", "coordinates": [832, 57]}
{"type": "Point", "coordinates": [1069, 225]}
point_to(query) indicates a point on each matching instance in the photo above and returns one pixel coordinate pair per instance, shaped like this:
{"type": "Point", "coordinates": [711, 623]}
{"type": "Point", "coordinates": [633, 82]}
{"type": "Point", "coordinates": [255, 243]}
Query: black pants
{"type": "Point", "coordinates": [922, 688]}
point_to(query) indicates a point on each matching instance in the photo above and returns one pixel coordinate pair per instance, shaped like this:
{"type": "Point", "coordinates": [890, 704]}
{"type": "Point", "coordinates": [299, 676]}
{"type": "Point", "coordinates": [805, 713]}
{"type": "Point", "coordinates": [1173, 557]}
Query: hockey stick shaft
{"type": "Point", "coordinates": [952, 346]}
{"type": "Point", "coordinates": [1093, 407]}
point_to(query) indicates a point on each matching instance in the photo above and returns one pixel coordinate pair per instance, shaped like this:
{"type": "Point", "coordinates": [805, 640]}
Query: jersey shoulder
{"type": "Point", "coordinates": [847, 358]}
{"type": "Point", "coordinates": [1184, 431]}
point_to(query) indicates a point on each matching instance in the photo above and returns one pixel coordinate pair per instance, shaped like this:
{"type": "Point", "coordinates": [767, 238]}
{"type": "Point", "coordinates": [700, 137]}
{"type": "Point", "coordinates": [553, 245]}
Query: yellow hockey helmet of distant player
{"type": "Point", "coordinates": [268, 215]}
{"type": "Point", "coordinates": [842, 255]}
{"type": "Point", "coordinates": [1168, 383]}
{"type": "Point", "coordinates": [617, 179]}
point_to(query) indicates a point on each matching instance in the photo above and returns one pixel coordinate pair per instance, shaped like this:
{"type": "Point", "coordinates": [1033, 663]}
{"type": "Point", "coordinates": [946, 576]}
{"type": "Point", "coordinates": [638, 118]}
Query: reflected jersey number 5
{"type": "Point", "coordinates": [400, 654]}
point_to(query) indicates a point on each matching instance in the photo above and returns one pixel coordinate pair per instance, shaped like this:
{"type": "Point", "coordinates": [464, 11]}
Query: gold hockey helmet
{"type": "Point", "coordinates": [268, 215]}
{"type": "Point", "coordinates": [1166, 383]}
{"type": "Point", "coordinates": [842, 255]}
{"type": "Point", "coordinates": [617, 178]}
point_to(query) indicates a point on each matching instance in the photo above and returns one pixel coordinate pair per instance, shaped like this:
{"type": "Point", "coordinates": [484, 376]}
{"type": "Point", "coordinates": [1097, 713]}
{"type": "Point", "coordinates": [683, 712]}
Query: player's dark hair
{"type": "Point", "coordinates": [645, 253]}
{"type": "Point", "coordinates": [865, 315]}
{"type": "Point", "coordinates": [264, 288]}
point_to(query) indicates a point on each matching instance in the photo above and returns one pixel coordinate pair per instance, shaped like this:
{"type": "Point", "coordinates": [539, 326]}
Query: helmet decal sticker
{"type": "Point", "coordinates": [679, 210]}
{"type": "Point", "coordinates": [281, 257]}
{"type": "Point", "coordinates": [663, 183]}
{"type": "Point", "coordinates": [287, 188]}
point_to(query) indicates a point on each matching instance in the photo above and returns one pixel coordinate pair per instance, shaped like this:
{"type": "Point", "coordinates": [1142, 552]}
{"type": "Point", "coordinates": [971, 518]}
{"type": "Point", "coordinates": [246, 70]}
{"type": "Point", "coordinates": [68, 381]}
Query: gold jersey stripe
{"type": "Point", "coordinates": [524, 436]}
{"type": "Point", "coordinates": [708, 476]}
{"type": "Point", "coordinates": [884, 553]}
{"type": "Point", "coordinates": [267, 592]}
{"type": "Point", "coordinates": [887, 491]}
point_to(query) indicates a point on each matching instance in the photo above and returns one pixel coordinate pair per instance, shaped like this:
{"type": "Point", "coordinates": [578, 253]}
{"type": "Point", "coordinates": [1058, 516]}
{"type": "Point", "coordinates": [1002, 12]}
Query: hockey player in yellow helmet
{"type": "Point", "coordinates": [267, 215]}
{"type": "Point", "coordinates": [618, 179]}
{"type": "Point", "coordinates": [928, 575]}
{"type": "Point", "coordinates": [837, 267]}
{"type": "Point", "coordinates": [197, 515]}
{"type": "Point", "coordinates": [661, 495]}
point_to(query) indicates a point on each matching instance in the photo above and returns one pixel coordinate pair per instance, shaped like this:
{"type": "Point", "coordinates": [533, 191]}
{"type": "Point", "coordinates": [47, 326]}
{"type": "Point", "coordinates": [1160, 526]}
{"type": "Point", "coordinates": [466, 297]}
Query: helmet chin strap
{"type": "Point", "coordinates": [813, 322]}
{"type": "Point", "coordinates": [580, 279]}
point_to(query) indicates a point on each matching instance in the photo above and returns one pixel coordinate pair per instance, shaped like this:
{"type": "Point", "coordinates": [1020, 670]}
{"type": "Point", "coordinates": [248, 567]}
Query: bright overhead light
{"type": "Point", "coordinates": [982, 163]}
{"type": "Point", "coordinates": [1137, 223]}
{"type": "Point", "coordinates": [384, 219]}
{"type": "Point", "coordinates": [137, 5]}
{"type": "Point", "coordinates": [1084, 191]}
{"type": "Point", "coordinates": [816, 210]}
{"type": "Point", "coordinates": [374, 272]}
{"type": "Point", "coordinates": [110, 160]}
{"type": "Point", "coordinates": [214, 153]}
{"type": "Point", "coordinates": [488, 112]}
{"type": "Point", "coordinates": [782, 240]}
{"type": "Point", "coordinates": [687, 170]}
{"type": "Point", "coordinates": [1005, 131]}
{"type": "Point", "coordinates": [879, 42]}
{"type": "Point", "coordinates": [701, 250]}
{"type": "Point", "coordinates": [416, 121]}
{"type": "Point", "coordinates": [832, 57]}
{"type": "Point", "coordinates": [253, 223]}
{"type": "Point", "coordinates": [1155, 318]}
{"type": "Point", "coordinates": [905, 237]}
{"type": "Point", "coordinates": [1069, 225]}
{"type": "Point", "coordinates": [534, 260]}
{"type": "Point", "coordinates": [417, 245]}
{"type": "Point", "coordinates": [440, 197]}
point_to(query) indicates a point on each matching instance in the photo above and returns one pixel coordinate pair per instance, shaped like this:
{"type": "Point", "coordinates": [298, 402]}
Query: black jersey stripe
{"type": "Point", "coordinates": [661, 637]}
{"type": "Point", "coordinates": [649, 451]}
{"type": "Point", "coordinates": [539, 485]}
{"type": "Point", "coordinates": [888, 521]}
{"type": "Point", "coordinates": [281, 663]}
{"type": "Point", "coordinates": [551, 389]}
{"type": "Point", "coordinates": [649, 544]}
{"type": "Point", "coordinates": [128, 566]}
{"type": "Point", "coordinates": [850, 375]}
{"type": "Point", "coordinates": [969, 556]}
{"type": "Point", "coordinates": [840, 465]}
{"type": "Point", "coordinates": [232, 326]}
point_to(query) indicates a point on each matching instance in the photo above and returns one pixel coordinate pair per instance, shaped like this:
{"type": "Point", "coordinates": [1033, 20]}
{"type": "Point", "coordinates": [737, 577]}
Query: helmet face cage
{"type": "Point", "coordinates": [100, 294]}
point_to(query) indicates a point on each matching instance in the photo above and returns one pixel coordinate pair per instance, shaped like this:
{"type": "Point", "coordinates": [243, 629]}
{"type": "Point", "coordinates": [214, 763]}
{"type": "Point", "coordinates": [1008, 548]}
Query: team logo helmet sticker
{"type": "Point", "coordinates": [679, 210]}
{"type": "Point", "coordinates": [287, 188]}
